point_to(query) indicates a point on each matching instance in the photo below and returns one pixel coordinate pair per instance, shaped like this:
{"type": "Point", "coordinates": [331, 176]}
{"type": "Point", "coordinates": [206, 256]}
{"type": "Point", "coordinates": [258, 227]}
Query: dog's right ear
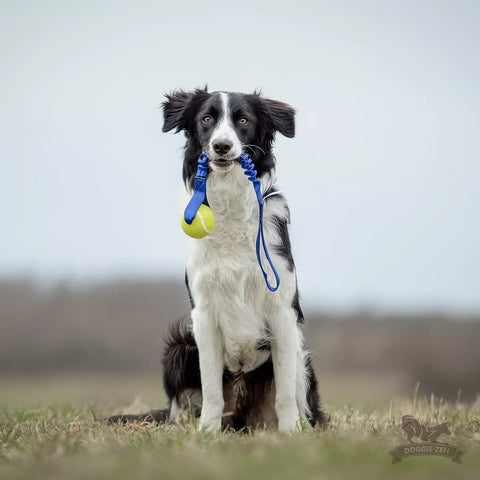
{"type": "Point", "coordinates": [178, 109]}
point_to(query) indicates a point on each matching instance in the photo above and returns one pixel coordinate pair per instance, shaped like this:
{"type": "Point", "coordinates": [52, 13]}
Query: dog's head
{"type": "Point", "coordinates": [224, 123]}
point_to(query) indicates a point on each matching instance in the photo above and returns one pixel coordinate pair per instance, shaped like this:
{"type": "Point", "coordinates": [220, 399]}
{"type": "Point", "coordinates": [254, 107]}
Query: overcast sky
{"type": "Point", "coordinates": [382, 177]}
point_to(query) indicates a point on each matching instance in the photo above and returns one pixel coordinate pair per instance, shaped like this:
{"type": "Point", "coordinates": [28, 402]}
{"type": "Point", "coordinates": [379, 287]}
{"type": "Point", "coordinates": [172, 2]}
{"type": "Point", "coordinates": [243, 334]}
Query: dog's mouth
{"type": "Point", "coordinates": [222, 163]}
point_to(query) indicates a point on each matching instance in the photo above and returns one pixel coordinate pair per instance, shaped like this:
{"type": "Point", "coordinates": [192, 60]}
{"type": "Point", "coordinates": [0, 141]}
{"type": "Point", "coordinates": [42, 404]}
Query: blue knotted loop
{"type": "Point", "coordinates": [200, 189]}
{"type": "Point", "coordinates": [248, 165]}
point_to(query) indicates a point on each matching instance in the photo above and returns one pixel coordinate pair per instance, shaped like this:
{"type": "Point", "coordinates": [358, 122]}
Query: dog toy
{"type": "Point", "coordinates": [202, 223]}
{"type": "Point", "coordinates": [198, 219]}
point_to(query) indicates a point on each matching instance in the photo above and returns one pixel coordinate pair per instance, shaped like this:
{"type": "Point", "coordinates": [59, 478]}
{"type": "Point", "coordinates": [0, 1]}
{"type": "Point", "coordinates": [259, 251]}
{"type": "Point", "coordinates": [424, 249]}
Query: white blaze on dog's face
{"type": "Point", "coordinates": [224, 144]}
{"type": "Point", "coordinates": [223, 125]}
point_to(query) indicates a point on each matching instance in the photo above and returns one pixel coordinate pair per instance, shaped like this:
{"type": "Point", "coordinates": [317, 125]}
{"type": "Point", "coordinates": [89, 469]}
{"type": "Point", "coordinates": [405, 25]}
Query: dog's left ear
{"type": "Point", "coordinates": [283, 117]}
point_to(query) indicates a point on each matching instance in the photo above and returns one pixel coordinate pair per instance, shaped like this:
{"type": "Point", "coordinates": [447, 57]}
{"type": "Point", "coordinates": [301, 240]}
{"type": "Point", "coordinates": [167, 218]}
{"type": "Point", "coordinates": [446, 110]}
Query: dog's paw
{"type": "Point", "coordinates": [211, 419]}
{"type": "Point", "coordinates": [288, 419]}
{"type": "Point", "coordinates": [210, 425]}
{"type": "Point", "coordinates": [289, 425]}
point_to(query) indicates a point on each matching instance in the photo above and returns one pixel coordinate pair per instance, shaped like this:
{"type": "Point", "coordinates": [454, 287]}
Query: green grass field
{"type": "Point", "coordinates": [44, 439]}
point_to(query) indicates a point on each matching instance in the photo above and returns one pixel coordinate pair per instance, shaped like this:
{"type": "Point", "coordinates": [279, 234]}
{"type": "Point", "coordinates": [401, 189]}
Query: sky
{"type": "Point", "coordinates": [382, 177]}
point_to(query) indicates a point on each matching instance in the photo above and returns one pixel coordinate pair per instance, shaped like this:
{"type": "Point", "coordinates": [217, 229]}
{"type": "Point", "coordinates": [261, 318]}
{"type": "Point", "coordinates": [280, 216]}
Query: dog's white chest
{"type": "Point", "coordinates": [223, 272]}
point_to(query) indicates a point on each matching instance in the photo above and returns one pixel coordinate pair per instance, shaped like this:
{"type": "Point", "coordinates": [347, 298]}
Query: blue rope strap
{"type": "Point", "coordinates": [200, 193]}
{"type": "Point", "coordinates": [248, 165]}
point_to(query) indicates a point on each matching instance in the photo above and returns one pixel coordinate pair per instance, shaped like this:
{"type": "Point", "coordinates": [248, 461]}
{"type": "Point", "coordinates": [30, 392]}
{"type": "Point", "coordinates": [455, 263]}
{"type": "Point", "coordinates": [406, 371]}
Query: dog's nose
{"type": "Point", "coordinates": [222, 146]}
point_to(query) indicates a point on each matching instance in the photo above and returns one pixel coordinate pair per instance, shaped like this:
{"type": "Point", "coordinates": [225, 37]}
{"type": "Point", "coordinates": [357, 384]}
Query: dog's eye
{"type": "Point", "coordinates": [207, 119]}
{"type": "Point", "coordinates": [243, 120]}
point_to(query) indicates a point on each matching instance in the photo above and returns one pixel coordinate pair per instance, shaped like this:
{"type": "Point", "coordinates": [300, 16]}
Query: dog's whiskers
{"type": "Point", "coordinates": [256, 146]}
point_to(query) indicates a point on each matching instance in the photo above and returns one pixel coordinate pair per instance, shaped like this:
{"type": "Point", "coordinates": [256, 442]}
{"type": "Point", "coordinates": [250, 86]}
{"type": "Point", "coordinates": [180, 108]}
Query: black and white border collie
{"type": "Point", "coordinates": [241, 361]}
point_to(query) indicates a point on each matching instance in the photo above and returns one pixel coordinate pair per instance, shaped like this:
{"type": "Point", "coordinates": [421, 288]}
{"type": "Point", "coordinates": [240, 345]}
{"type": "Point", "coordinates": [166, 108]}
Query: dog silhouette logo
{"type": "Point", "coordinates": [413, 428]}
{"type": "Point", "coordinates": [428, 444]}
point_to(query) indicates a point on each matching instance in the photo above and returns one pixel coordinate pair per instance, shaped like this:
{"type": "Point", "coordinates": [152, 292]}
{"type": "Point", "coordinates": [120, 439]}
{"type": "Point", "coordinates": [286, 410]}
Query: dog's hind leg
{"type": "Point", "coordinates": [181, 379]}
{"type": "Point", "coordinates": [181, 374]}
{"type": "Point", "coordinates": [186, 408]}
{"type": "Point", "coordinates": [315, 416]}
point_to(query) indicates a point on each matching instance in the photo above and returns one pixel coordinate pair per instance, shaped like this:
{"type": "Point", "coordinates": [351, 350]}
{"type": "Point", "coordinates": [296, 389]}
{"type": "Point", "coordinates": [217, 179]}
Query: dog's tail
{"type": "Point", "coordinates": [158, 416]}
{"type": "Point", "coordinates": [181, 371]}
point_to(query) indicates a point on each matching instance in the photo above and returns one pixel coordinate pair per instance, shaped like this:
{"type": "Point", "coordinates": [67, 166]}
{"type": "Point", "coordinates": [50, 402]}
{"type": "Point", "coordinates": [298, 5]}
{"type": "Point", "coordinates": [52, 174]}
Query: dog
{"type": "Point", "coordinates": [240, 361]}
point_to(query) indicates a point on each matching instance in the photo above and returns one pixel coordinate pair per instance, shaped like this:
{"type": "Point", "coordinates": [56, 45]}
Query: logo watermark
{"type": "Point", "coordinates": [430, 445]}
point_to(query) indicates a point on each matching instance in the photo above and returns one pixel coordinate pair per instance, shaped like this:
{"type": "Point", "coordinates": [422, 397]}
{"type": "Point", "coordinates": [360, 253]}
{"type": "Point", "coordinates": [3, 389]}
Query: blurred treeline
{"type": "Point", "coordinates": [119, 326]}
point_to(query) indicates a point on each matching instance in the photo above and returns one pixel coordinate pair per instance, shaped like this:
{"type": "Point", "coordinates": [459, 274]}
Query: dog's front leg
{"type": "Point", "coordinates": [210, 349]}
{"type": "Point", "coordinates": [285, 346]}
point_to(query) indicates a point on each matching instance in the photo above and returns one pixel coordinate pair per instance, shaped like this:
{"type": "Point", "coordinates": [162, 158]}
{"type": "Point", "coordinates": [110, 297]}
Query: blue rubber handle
{"type": "Point", "coordinates": [200, 190]}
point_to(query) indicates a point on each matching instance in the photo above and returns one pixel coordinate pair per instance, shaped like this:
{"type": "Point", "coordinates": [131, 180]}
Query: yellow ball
{"type": "Point", "coordinates": [202, 224]}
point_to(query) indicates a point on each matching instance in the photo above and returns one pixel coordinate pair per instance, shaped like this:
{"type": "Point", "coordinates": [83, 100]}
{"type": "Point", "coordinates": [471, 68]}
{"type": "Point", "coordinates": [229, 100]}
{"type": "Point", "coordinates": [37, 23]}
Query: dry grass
{"type": "Point", "coordinates": [65, 441]}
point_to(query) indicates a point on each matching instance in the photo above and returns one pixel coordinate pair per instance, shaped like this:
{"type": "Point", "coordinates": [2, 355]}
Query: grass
{"type": "Point", "coordinates": [63, 440]}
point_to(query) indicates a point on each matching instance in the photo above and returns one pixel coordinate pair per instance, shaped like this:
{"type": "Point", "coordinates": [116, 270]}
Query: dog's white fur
{"type": "Point", "coordinates": [233, 306]}
{"type": "Point", "coordinates": [225, 131]}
